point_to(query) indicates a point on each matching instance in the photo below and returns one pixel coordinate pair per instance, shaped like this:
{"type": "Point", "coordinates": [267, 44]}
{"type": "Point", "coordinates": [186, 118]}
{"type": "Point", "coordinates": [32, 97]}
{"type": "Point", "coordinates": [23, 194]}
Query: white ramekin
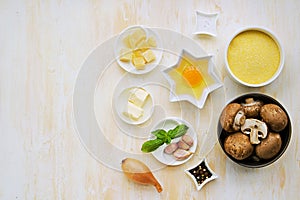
{"type": "Point", "coordinates": [281, 64]}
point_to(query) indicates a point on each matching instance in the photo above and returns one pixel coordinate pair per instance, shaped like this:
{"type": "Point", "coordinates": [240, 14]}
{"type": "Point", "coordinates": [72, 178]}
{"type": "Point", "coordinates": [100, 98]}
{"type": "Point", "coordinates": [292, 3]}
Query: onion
{"type": "Point", "coordinates": [138, 172]}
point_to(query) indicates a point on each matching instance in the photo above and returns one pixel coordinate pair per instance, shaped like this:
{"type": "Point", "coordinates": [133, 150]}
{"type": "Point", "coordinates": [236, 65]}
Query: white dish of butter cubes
{"type": "Point", "coordinates": [134, 105]}
{"type": "Point", "coordinates": [138, 49]}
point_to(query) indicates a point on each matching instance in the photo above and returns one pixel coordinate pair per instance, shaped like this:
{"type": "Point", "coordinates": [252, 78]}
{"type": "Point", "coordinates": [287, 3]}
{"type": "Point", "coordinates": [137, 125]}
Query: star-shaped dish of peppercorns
{"type": "Point", "coordinates": [201, 174]}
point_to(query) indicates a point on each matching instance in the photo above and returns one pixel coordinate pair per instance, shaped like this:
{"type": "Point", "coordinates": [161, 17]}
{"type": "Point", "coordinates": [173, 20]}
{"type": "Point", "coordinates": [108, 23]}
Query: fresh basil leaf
{"type": "Point", "coordinates": [178, 131]}
{"type": "Point", "coordinates": [160, 134]}
{"type": "Point", "coordinates": [151, 145]}
{"type": "Point", "coordinates": [168, 140]}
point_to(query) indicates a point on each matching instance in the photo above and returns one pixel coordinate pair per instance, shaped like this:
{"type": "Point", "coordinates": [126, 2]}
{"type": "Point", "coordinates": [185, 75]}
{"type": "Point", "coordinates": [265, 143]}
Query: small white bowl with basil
{"type": "Point", "coordinates": [171, 131]}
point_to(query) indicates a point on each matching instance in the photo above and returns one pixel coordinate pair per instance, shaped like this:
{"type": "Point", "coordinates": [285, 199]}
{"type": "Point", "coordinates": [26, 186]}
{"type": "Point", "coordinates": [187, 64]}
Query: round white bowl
{"type": "Point", "coordinates": [120, 102]}
{"type": "Point", "coordinates": [281, 64]}
{"type": "Point", "coordinates": [128, 66]}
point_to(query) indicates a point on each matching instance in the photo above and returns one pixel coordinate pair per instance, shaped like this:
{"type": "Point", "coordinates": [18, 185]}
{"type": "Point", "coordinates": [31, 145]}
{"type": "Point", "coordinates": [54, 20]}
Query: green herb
{"type": "Point", "coordinates": [160, 133]}
{"type": "Point", "coordinates": [179, 131]}
{"type": "Point", "coordinates": [152, 145]}
{"type": "Point", "coordinates": [163, 136]}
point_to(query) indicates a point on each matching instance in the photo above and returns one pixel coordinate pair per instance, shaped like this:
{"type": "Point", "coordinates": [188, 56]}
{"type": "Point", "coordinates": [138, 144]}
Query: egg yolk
{"type": "Point", "coordinates": [192, 75]}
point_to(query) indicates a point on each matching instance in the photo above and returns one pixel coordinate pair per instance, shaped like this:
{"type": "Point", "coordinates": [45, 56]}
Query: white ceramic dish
{"type": "Point", "coordinates": [128, 66]}
{"type": "Point", "coordinates": [120, 102]}
{"type": "Point", "coordinates": [208, 73]}
{"type": "Point", "coordinates": [167, 124]}
{"type": "Point", "coordinates": [206, 23]}
{"type": "Point", "coordinates": [197, 180]}
{"type": "Point", "coordinates": [281, 64]}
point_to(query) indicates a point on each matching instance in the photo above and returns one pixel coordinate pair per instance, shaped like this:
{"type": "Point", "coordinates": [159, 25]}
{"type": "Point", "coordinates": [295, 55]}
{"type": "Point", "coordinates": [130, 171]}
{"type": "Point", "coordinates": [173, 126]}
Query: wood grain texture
{"type": "Point", "coordinates": [43, 45]}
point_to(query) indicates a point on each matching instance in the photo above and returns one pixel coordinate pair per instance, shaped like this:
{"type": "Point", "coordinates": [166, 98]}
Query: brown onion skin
{"type": "Point", "coordinates": [138, 172]}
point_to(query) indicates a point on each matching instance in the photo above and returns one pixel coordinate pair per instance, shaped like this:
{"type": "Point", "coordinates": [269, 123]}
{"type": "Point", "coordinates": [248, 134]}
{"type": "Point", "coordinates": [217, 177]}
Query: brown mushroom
{"type": "Point", "coordinates": [269, 147]}
{"type": "Point", "coordinates": [238, 146]}
{"type": "Point", "coordinates": [252, 107]}
{"type": "Point", "coordinates": [274, 116]}
{"type": "Point", "coordinates": [232, 117]}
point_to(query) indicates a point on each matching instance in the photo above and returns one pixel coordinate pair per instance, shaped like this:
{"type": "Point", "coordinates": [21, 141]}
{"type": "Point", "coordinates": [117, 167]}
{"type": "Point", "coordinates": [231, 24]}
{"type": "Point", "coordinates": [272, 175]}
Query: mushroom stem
{"type": "Point", "coordinates": [256, 129]}
{"type": "Point", "coordinates": [254, 137]}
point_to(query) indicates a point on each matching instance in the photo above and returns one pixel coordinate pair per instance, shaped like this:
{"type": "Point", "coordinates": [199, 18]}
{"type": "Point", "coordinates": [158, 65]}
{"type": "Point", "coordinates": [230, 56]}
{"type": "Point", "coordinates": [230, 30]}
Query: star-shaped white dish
{"type": "Point", "coordinates": [201, 174]}
{"type": "Point", "coordinates": [181, 91]}
{"type": "Point", "coordinates": [206, 23]}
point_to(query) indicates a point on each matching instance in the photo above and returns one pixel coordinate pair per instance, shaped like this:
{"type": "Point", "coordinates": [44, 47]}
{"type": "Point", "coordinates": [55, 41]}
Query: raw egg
{"type": "Point", "coordinates": [192, 76]}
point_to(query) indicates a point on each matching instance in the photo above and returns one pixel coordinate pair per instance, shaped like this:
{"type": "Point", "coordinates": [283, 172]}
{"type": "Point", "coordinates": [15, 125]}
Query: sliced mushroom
{"type": "Point", "coordinates": [239, 120]}
{"type": "Point", "coordinates": [252, 107]}
{"type": "Point", "coordinates": [228, 115]}
{"type": "Point", "coordinates": [256, 129]}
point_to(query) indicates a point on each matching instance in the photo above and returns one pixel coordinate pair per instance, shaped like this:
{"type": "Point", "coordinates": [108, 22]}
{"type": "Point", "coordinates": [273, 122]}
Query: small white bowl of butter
{"type": "Point", "coordinates": [254, 57]}
{"type": "Point", "coordinates": [134, 105]}
{"type": "Point", "coordinates": [138, 49]}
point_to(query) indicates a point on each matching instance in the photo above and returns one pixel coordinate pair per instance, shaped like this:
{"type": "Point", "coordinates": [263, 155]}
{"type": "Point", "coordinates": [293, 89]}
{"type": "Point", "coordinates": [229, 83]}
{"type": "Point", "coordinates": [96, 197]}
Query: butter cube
{"type": "Point", "coordinates": [143, 45]}
{"type": "Point", "coordinates": [139, 62]}
{"type": "Point", "coordinates": [125, 55]}
{"type": "Point", "coordinates": [127, 40]}
{"type": "Point", "coordinates": [138, 97]}
{"type": "Point", "coordinates": [149, 56]}
{"type": "Point", "coordinates": [137, 36]}
{"type": "Point", "coordinates": [133, 111]}
{"type": "Point", "coordinates": [137, 53]}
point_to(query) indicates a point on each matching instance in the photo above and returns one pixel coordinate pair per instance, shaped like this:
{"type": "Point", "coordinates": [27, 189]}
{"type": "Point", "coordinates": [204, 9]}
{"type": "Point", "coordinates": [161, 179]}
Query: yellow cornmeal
{"type": "Point", "coordinates": [253, 57]}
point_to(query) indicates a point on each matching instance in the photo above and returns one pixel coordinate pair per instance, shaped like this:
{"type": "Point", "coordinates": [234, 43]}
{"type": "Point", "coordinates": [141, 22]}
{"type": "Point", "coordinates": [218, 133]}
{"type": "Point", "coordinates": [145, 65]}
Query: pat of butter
{"type": "Point", "coordinates": [133, 111]}
{"type": "Point", "coordinates": [149, 56]}
{"type": "Point", "coordinates": [143, 45]}
{"type": "Point", "coordinates": [125, 55]}
{"type": "Point", "coordinates": [139, 62]}
{"type": "Point", "coordinates": [128, 42]}
{"type": "Point", "coordinates": [138, 97]}
{"type": "Point", "coordinates": [137, 36]}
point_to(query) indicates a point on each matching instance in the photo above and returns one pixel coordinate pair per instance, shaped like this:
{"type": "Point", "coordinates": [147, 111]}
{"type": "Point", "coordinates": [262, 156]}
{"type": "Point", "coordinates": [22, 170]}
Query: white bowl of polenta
{"type": "Point", "coordinates": [254, 57]}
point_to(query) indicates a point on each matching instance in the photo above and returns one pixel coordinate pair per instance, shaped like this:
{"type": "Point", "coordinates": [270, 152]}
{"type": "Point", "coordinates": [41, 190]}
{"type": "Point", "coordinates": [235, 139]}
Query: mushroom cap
{"type": "Point", "coordinates": [269, 147]}
{"type": "Point", "coordinates": [274, 116]}
{"type": "Point", "coordinates": [252, 107]}
{"type": "Point", "coordinates": [227, 116]}
{"type": "Point", "coordinates": [238, 146]}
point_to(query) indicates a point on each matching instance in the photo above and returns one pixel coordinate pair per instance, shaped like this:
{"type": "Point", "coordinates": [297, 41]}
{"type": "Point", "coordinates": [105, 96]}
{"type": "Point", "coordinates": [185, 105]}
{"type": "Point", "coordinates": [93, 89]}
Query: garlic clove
{"type": "Point", "coordinates": [183, 145]}
{"type": "Point", "coordinates": [181, 154]}
{"type": "Point", "coordinates": [188, 140]}
{"type": "Point", "coordinates": [171, 148]}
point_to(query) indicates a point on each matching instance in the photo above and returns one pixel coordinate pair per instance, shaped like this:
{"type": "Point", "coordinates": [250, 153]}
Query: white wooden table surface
{"type": "Point", "coordinates": [43, 45]}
